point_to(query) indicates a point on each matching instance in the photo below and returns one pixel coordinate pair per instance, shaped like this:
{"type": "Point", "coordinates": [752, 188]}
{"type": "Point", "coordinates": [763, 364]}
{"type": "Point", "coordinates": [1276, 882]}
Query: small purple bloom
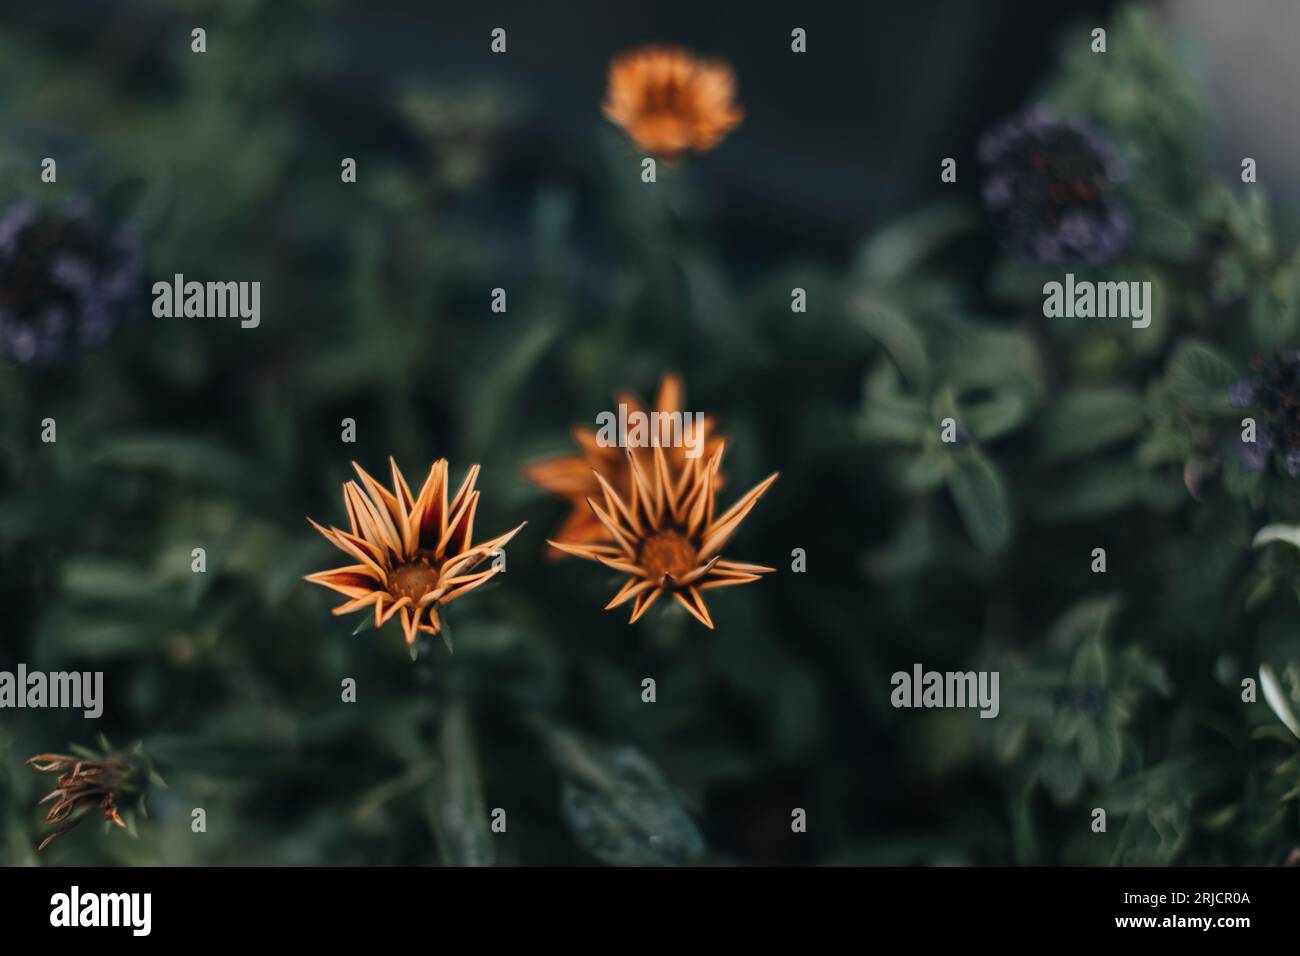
{"type": "Point", "coordinates": [65, 280]}
{"type": "Point", "coordinates": [1255, 454]}
{"type": "Point", "coordinates": [1241, 393]}
{"type": "Point", "coordinates": [1050, 188]}
{"type": "Point", "coordinates": [1274, 392]}
{"type": "Point", "coordinates": [1291, 462]}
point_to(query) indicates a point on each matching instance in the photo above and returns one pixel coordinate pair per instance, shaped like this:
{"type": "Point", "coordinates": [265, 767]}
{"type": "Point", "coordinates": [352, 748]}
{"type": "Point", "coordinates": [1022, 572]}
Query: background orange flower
{"type": "Point", "coordinates": [670, 102]}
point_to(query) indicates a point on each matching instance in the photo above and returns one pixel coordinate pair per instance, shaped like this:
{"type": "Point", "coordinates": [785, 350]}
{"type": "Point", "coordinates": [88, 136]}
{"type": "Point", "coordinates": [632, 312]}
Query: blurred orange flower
{"type": "Point", "coordinates": [669, 102]}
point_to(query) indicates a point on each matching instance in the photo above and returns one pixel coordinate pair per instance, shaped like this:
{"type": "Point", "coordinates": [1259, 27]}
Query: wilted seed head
{"type": "Point", "coordinates": [84, 784]}
{"type": "Point", "coordinates": [1050, 188]}
{"type": "Point", "coordinates": [1274, 390]}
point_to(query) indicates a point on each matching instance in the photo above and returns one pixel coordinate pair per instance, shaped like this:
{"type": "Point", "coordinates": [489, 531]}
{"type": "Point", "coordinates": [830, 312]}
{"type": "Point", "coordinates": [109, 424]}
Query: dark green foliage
{"type": "Point", "coordinates": [1120, 690]}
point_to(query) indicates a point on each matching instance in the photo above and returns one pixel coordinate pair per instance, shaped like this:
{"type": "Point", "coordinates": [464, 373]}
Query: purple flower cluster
{"type": "Point", "coordinates": [1274, 390]}
{"type": "Point", "coordinates": [1050, 188]}
{"type": "Point", "coordinates": [65, 280]}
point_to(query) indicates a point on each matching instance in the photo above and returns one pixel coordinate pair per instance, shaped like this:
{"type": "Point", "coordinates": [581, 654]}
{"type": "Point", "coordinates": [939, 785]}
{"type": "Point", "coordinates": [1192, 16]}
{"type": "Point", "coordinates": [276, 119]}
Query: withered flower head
{"type": "Point", "coordinates": [415, 552]}
{"type": "Point", "coordinates": [669, 102]}
{"type": "Point", "coordinates": [574, 477]}
{"type": "Point", "coordinates": [86, 784]}
{"type": "Point", "coordinates": [667, 537]}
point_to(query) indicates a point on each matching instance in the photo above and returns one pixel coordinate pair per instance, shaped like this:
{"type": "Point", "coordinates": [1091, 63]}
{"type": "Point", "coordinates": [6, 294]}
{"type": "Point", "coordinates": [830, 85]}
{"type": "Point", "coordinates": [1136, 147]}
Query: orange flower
{"type": "Point", "coordinates": [415, 552]}
{"type": "Point", "coordinates": [669, 102]}
{"type": "Point", "coordinates": [574, 477]}
{"type": "Point", "coordinates": [666, 536]}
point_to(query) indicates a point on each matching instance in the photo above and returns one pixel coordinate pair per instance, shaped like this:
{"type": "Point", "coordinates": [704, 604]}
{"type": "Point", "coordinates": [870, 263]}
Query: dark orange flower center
{"type": "Point", "coordinates": [665, 98]}
{"type": "Point", "coordinates": [414, 579]}
{"type": "Point", "coordinates": [668, 552]}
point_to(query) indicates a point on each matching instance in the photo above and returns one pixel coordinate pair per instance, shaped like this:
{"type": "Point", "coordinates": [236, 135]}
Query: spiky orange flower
{"type": "Point", "coordinates": [82, 786]}
{"type": "Point", "coordinates": [573, 477]}
{"type": "Point", "coordinates": [666, 536]}
{"type": "Point", "coordinates": [669, 102]}
{"type": "Point", "coordinates": [416, 552]}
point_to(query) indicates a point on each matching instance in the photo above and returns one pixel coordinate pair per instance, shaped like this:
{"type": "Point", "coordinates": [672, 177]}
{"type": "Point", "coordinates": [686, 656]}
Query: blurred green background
{"type": "Point", "coordinates": [475, 171]}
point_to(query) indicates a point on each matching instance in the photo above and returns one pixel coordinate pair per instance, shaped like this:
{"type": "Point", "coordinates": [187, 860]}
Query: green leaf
{"type": "Point", "coordinates": [1276, 698]}
{"type": "Point", "coordinates": [506, 379]}
{"type": "Point", "coordinates": [1165, 233]}
{"type": "Point", "coordinates": [1096, 490]}
{"type": "Point", "coordinates": [977, 492]}
{"type": "Point", "coordinates": [99, 580]}
{"type": "Point", "coordinates": [995, 417]}
{"type": "Point", "coordinates": [178, 457]}
{"type": "Point", "coordinates": [619, 807]}
{"type": "Point", "coordinates": [1273, 311]}
{"type": "Point", "coordinates": [1062, 775]}
{"type": "Point", "coordinates": [1101, 750]}
{"type": "Point", "coordinates": [1091, 418]}
{"type": "Point", "coordinates": [897, 334]}
{"type": "Point", "coordinates": [898, 249]}
{"type": "Point", "coordinates": [1085, 621]}
{"type": "Point", "coordinates": [926, 470]}
{"type": "Point", "coordinates": [1288, 533]}
{"type": "Point", "coordinates": [888, 415]}
{"type": "Point", "coordinates": [1199, 378]}
{"type": "Point", "coordinates": [980, 356]}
